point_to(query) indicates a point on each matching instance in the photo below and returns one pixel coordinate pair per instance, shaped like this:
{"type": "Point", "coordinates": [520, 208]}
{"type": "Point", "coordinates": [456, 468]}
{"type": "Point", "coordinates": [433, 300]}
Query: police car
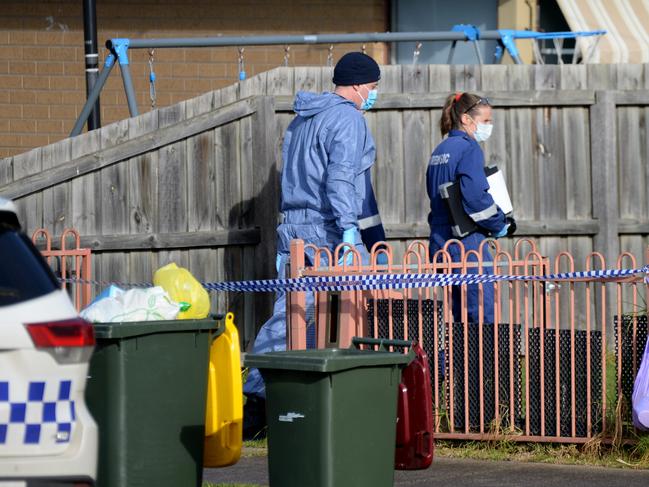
{"type": "Point", "coordinates": [47, 436]}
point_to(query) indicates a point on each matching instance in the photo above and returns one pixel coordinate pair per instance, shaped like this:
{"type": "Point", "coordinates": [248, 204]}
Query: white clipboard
{"type": "Point", "coordinates": [498, 189]}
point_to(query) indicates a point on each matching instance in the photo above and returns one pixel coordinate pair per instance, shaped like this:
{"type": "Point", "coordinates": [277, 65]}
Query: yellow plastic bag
{"type": "Point", "coordinates": [185, 289]}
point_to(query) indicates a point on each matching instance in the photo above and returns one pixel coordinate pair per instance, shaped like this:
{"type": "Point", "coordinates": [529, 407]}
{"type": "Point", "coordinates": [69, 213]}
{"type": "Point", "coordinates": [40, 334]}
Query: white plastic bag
{"type": "Point", "coordinates": [640, 398]}
{"type": "Point", "coordinates": [150, 304]}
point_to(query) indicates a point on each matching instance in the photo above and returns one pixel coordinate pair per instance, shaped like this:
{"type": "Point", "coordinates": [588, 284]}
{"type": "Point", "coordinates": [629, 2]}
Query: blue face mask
{"type": "Point", "coordinates": [368, 103]}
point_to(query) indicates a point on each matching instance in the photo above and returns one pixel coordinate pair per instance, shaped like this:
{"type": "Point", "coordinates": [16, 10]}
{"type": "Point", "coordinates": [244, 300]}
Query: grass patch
{"type": "Point", "coordinates": [641, 450]}
{"type": "Point", "coordinates": [263, 443]}
{"type": "Point", "coordinates": [255, 448]}
{"type": "Point", "coordinates": [592, 453]}
{"type": "Point", "coordinates": [595, 452]}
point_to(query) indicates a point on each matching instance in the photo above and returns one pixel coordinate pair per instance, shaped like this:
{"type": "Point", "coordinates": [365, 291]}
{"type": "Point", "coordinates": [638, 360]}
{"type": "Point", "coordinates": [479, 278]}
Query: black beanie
{"type": "Point", "coordinates": [356, 68]}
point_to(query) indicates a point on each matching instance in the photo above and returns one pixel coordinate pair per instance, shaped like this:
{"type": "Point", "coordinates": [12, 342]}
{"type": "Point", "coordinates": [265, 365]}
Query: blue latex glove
{"type": "Point", "coordinates": [382, 259]}
{"type": "Point", "coordinates": [278, 262]}
{"type": "Point", "coordinates": [349, 237]}
{"type": "Point", "coordinates": [502, 232]}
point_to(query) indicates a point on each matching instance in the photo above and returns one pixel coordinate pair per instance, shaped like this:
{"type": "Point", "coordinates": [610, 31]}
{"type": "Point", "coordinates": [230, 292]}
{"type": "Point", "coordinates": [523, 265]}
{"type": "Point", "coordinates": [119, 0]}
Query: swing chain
{"type": "Point", "coordinates": [152, 79]}
{"type": "Point", "coordinates": [287, 55]}
{"type": "Point", "coordinates": [330, 56]}
{"type": "Point", "coordinates": [415, 54]}
{"type": "Point", "coordinates": [242, 68]}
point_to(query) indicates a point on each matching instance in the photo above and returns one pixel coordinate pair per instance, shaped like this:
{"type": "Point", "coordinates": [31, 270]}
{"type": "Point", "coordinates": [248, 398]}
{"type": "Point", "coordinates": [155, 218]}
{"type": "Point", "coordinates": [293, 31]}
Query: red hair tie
{"type": "Point", "coordinates": [458, 95]}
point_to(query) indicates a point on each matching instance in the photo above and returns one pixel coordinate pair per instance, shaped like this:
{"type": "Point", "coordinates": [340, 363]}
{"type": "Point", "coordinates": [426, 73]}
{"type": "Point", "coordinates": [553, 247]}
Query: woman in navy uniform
{"type": "Point", "coordinates": [466, 120]}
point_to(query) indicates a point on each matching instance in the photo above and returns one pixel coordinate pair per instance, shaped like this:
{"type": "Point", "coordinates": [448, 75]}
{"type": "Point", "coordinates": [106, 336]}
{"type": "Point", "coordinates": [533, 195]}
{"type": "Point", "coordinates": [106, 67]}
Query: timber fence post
{"type": "Point", "coordinates": [266, 203]}
{"type": "Point", "coordinates": [603, 144]}
{"type": "Point", "coordinates": [603, 150]}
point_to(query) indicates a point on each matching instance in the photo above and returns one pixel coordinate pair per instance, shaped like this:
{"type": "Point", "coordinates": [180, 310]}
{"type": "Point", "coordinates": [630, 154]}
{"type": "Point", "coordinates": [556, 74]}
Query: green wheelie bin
{"type": "Point", "coordinates": [146, 390]}
{"type": "Point", "coordinates": [331, 415]}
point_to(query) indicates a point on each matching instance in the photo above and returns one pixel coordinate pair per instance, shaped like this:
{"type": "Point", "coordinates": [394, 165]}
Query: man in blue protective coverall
{"type": "Point", "coordinates": [326, 191]}
{"type": "Point", "coordinates": [467, 120]}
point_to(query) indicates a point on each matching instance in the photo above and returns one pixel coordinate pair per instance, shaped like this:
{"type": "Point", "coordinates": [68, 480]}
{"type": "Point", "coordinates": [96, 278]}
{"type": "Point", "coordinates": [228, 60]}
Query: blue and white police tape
{"type": "Point", "coordinates": [364, 282]}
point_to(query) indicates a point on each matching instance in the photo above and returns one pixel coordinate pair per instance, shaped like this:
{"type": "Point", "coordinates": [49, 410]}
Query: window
{"type": "Point", "coordinates": [24, 274]}
{"type": "Point", "coordinates": [442, 15]}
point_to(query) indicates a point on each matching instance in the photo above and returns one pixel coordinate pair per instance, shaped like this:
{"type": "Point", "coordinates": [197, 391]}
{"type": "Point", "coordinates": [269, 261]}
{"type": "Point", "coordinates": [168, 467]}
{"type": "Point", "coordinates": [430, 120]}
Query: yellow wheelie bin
{"type": "Point", "coordinates": [224, 411]}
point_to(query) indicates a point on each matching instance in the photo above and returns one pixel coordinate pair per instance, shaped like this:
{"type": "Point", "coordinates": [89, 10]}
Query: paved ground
{"type": "Point", "coordinates": [466, 473]}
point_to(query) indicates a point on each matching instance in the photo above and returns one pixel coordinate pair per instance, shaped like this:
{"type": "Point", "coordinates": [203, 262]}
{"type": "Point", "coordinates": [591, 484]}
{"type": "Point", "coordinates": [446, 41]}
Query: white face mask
{"type": "Point", "coordinates": [483, 131]}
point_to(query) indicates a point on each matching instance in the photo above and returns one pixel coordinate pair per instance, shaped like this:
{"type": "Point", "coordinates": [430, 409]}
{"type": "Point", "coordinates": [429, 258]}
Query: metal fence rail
{"type": "Point", "coordinates": [557, 366]}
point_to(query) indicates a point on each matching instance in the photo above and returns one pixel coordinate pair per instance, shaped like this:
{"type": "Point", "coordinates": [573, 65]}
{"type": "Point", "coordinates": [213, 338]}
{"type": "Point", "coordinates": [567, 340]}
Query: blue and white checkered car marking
{"type": "Point", "coordinates": [42, 414]}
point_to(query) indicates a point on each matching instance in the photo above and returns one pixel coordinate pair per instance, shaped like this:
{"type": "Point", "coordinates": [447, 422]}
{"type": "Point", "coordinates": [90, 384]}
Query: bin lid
{"type": "Point", "coordinates": [325, 360]}
{"type": "Point", "coordinates": [127, 329]}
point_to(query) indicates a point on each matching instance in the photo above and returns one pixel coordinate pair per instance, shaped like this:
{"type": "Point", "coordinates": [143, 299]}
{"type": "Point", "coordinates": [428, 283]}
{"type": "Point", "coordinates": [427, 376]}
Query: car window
{"type": "Point", "coordinates": [9, 219]}
{"type": "Point", "coordinates": [23, 272]}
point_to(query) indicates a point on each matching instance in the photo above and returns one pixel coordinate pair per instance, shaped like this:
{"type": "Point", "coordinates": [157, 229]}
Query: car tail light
{"type": "Point", "coordinates": [68, 341]}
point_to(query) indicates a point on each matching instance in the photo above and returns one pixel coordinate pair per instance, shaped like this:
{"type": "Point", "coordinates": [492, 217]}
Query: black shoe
{"type": "Point", "coordinates": [254, 418]}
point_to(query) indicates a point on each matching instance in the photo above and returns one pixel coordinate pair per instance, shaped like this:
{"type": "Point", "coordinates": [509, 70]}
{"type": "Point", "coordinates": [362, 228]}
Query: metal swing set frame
{"type": "Point", "coordinates": [118, 51]}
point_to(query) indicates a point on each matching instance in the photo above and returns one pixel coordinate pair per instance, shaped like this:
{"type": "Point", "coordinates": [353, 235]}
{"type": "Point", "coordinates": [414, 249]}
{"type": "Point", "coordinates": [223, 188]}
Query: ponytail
{"type": "Point", "coordinates": [447, 121]}
{"type": "Point", "coordinates": [456, 105]}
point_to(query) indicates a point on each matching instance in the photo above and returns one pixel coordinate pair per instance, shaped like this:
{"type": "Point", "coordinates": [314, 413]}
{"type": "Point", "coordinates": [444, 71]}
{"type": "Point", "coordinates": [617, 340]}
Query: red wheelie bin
{"type": "Point", "coordinates": [415, 444]}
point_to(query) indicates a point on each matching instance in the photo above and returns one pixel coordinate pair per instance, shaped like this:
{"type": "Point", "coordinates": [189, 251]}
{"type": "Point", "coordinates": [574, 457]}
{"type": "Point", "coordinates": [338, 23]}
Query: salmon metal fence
{"type": "Point", "coordinates": [69, 262]}
{"type": "Point", "coordinates": [544, 349]}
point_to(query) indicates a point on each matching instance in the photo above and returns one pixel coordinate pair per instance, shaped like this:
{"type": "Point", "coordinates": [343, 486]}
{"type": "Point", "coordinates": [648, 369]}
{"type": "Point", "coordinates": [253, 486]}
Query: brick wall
{"type": "Point", "coordinates": [42, 80]}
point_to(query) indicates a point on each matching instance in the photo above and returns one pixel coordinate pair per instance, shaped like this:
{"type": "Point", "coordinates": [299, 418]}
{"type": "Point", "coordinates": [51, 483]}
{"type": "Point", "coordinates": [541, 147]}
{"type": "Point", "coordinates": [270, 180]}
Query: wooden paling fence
{"type": "Point", "coordinates": [544, 370]}
{"type": "Point", "coordinates": [197, 182]}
